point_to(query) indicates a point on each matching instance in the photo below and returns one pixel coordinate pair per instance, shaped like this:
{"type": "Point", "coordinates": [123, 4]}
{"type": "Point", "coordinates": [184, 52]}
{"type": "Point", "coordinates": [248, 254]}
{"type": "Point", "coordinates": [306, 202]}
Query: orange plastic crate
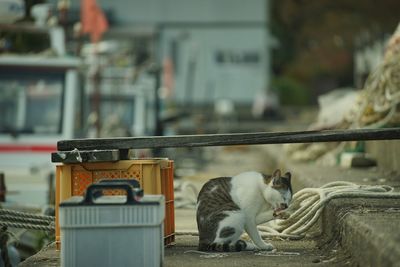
{"type": "Point", "coordinates": [156, 176]}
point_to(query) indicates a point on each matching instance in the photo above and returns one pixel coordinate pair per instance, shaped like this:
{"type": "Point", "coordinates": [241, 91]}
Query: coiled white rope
{"type": "Point", "coordinates": [308, 204]}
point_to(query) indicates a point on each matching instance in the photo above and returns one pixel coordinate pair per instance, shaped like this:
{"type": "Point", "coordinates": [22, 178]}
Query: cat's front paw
{"type": "Point", "coordinates": [283, 215]}
{"type": "Point", "coordinates": [267, 247]}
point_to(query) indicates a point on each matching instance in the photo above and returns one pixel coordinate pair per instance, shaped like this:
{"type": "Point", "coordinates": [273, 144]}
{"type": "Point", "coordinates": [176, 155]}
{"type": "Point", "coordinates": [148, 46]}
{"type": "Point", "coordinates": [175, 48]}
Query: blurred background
{"type": "Point", "coordinates": [167, 67]}
{"type": "Point", "coordinates": [84, 69]}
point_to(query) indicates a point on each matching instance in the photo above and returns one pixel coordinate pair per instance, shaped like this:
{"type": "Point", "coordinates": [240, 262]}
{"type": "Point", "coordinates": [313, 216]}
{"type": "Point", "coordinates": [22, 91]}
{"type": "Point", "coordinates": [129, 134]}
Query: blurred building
{"type": "Point", "coordinates": [209, 49]}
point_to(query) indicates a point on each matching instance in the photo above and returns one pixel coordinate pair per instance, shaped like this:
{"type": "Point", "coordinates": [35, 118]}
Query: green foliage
{"type": "Point", "coordinates": [291, 92]}
{"type": "Point", "coordinates": [319, 36]}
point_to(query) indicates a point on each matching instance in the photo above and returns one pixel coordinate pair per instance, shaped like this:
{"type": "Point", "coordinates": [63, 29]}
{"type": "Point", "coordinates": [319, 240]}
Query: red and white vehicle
{"type": "Point", "coordinates": [43, 101]}
{"type": "Point", "coordinates": [39, 105]}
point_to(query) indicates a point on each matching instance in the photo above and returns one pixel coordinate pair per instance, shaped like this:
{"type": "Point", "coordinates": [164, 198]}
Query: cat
{"type": "Point", "coordinates": [227, 206]}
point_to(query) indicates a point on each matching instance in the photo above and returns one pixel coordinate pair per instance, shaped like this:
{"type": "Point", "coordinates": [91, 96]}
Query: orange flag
{"type": "Point", "coordinates": [93, 20]}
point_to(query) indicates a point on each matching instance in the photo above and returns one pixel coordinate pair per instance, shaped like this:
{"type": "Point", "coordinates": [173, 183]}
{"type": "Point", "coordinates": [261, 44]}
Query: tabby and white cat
{"type": "Point", "coordinates": [226, 206]}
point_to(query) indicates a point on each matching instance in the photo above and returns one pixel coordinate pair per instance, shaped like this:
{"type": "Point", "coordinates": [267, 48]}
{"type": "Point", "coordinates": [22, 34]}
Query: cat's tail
{"type": "Point", "coordinates": [227, 247]}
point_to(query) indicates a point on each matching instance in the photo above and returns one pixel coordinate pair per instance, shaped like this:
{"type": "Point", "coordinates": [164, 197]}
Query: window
{"type": "Point", "coordinates": [31, 101]}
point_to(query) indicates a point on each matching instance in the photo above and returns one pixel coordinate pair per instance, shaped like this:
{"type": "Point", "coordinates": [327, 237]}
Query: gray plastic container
{"type": "Point", "coordinates": [112, 230]}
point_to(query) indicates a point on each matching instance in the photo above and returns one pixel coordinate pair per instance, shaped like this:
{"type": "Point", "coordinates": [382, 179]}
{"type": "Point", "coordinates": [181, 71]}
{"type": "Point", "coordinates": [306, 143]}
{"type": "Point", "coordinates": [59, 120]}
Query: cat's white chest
{"type": "Point", "coordinates": [247, 194]}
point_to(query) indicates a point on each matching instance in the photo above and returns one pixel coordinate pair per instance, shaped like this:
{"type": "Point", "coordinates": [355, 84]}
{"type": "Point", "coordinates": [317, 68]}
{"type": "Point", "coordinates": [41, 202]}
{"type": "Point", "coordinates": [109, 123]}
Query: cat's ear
{"type": "Point", "coordinates": [288, 175]}
{"type": "Point", "coordinates": [277, 173]}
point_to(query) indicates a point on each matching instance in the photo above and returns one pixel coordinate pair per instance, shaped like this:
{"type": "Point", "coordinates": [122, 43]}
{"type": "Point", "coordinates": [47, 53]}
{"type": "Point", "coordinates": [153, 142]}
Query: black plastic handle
{"type": "Point", "coordinates": [90, 192]}
{"type": "Point", "coordinates": [137, 191]}
{"type": "Point", "coordinates": [132, 182]}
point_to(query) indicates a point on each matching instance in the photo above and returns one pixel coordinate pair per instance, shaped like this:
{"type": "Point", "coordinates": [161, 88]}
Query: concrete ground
{"type": "Point", "coordinates": [353, 232]}
{"type": "Point", "coordinates": [288, 253]}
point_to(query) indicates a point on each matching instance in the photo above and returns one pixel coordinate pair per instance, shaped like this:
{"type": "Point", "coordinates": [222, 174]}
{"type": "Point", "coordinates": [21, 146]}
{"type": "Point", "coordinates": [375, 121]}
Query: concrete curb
{"type": "Point", "coordinates": [370, 246]}
{"type": "Point", "coordinates": [367, 228]}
